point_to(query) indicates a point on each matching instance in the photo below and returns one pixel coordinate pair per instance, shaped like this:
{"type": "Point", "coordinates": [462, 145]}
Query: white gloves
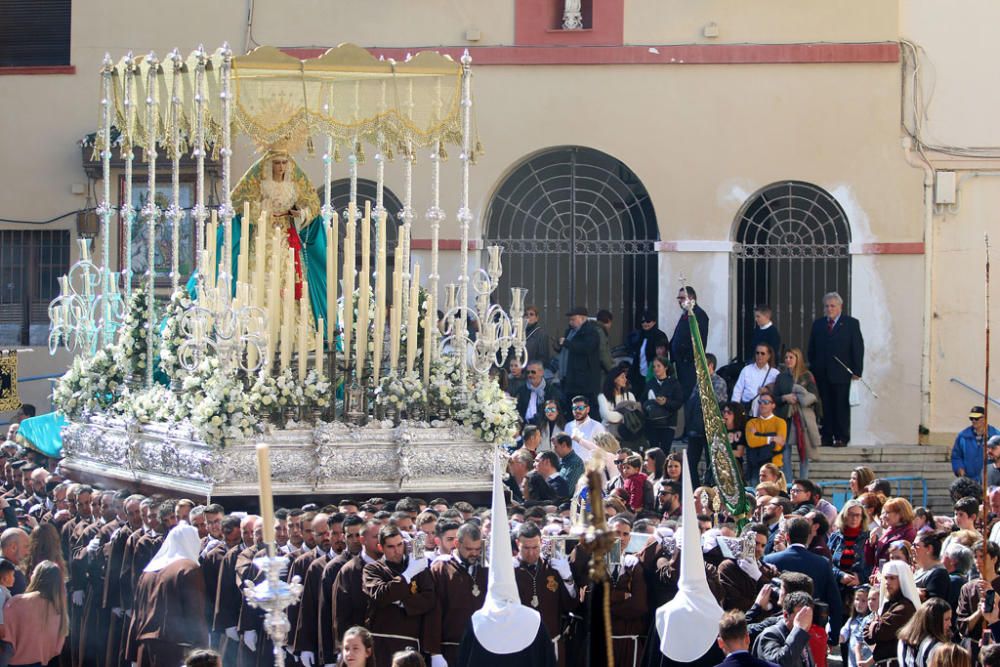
{"type": "Point", "coordinates": [517, 562]}
{"type": "Point", "coordinates": [561, 565]}
{"type": "Point", "coordinates": [117, 611]}
{"type": "Point", "coordinates": [94, 545]}
{"type": "Point", "coordinates": [437, 660]}
{"type": "Point", "coordinates": [78, 598]}
{"type": "Point", "coordinates": [250, 639]}
{"type": "Point", "coordinates": [630, 560]}
{"type": "Point", "coordinates": [416, 566]}
{"type": "Point", "coordinates": [307, 658]}
{"type": "Point", "coordinates": [233, 634]}
{"type": "Point", "coordinates": [750, 567]}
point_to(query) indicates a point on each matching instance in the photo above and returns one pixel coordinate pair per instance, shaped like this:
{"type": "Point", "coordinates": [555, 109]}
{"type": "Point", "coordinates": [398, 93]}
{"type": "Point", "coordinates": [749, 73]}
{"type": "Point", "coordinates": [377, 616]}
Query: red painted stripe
{"type": "Point", "coordinates": [899, 248]}
{"type": "Point", "coordinates": [685, 54]}
{"type": "Point", "coordinates": [47, 69]}
{"type": "Point", "coordinates": [445, 244]}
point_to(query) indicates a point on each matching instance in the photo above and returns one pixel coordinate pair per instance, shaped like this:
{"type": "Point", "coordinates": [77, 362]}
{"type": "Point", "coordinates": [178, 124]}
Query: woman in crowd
{"type": "Point", "coordinates": [662, 403]}
{"type": "Point", "coordinates": [615, 392]}
{"type": "Point", "coordinates": [861, 477]}
{"type": "Point", "coordinates": [931, 577]}
{"type": "Point", "coordinates": [897, 520]}
{"type": "Point", "coordinates": [873, 502]}
{"type": "Point", "coordinates": [847, 543]}
{"type": "Point", "coordinates": [553, 424]}
{"type": "Point", "coordinates": [950, 655]}
{"type": "Point", "coordinates": [536, 491]}
{"type": "Point", "coordinates": [754, 378]}
{"type": "Point", "coordinates": [774, 475]}
{"type": "Point", "coordinates": [36, 623]}
{"type": "Point", "coordinates": [928, 628]}
{"type": "Point", "coordinates": [44, 544]}
{"type": "Point", "coordinates": [902, 551]}
{"type": "Point", "coordinates": [654, 465]}
{"type": "Point", "coordinates": [358, 648]}
{"type": "Point", "coordinates": [899, 601]}
{"type": "Point", "coordinates": [923, 520]}
{"type": "Point", "coordinates": [674, 468]}
{"type": "Point", "coordinates": [736, 422]}
{"type": "Point", "coordinates": [798, 404]}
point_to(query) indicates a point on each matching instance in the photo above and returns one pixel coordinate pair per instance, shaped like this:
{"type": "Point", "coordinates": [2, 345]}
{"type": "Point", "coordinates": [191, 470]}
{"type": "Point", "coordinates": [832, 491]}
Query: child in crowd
{"type": "Point", "coordinates": [635, 482]}
{"type": "Point", "coordinates": [852, 634]}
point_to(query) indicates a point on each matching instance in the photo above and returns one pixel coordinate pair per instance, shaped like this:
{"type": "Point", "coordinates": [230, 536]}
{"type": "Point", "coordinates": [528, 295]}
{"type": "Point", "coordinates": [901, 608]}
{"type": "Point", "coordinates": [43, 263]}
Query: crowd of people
{"type": "Point", "coordinates": [104, 576]}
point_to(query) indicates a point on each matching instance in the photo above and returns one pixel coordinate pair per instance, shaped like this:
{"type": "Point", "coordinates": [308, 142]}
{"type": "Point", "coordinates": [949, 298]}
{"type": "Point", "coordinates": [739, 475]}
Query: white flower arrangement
{"type": "Point", "coordinates": [171, 337]}
{"type": "Point", "coordinates": [264, 394]}
{"type": "Point", "coordinates": [156, 404]}
{"type": "Point", "coordinates": [289, 391]}
{"type": "Point", "coordinates": [316, 391]}
{"type": "Point", "coordinates": [491, 413]}
{"type": "Point", "coordinates": [89, 384]}
{"type": "Point", "coordinates": [401, 392]}
{"type": "Point", "coordinates": [130, 352]}
{"type": "Point", "coordinates": [220, 408]}
{"type": "Point", "coordinates": [442, 388]}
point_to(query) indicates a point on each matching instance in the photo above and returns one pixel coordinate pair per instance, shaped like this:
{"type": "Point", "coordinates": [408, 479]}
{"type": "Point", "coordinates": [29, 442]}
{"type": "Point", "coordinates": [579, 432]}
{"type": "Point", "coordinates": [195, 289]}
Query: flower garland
{"type": "Point", "coordinates": [491, 413]}
{"type": "Point", "coordinates": [171, 337]}
{"type": "Point", "coordinates": [157, 404]}
{"type": "Point", "coordinates": [89, 384]}
{"type": "Point", "coordinates": [130, 352]}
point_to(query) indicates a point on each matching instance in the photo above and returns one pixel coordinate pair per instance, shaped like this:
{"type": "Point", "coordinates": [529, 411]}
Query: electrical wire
{"type": "Point", "coordinates": [9, 221]}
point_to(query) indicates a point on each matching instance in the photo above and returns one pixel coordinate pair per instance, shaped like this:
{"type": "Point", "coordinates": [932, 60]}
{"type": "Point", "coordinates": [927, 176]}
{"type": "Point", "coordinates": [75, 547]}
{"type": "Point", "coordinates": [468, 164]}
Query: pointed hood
{"type": "Point", "coordinates": [503, 625]}
{"type": "Point", "coordinates": [689, 624]}
{"type": "Point", "coordinates": [181, 542]}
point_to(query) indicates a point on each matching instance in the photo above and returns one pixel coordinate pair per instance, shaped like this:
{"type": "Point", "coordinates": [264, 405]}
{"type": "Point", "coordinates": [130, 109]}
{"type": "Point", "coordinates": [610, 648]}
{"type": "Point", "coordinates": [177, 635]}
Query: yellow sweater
{"type": "Point", "coordinates": [771, 425]}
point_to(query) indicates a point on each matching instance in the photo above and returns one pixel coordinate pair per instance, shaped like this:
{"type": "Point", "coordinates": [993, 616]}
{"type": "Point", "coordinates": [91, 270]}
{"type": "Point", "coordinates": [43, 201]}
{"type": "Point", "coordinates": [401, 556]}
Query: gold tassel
{"type": "Point", "coordinates": [442, 153]}
{"type": "Point", "coordinates": [310, 148]}
{"type": "Point", "coordinates": [336, 152]}
{"type": "Point", "coordinates": [389, 154]}
{"type": "Point", "coordinates": [359, 152]}
{"type": "Point", "coordinates": [479, 148]}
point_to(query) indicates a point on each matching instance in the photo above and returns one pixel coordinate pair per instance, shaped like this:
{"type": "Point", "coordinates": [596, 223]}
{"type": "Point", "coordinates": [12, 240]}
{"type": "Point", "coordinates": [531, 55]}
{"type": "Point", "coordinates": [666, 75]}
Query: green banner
{"type": "Point", "coordinates": [728, 478]}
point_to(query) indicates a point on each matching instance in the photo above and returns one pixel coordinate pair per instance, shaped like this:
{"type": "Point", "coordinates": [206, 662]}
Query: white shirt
{"type": "Point", "coordinates": [587, 429]}
{"type": "Point", "coordinates": [751, 379]}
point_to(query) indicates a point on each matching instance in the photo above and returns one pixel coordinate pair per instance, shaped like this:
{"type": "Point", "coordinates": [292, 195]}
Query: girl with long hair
{"type": "Point", "coordinates": [552, 424]}
{"type": "Point", "coordinates": [775, 475]}
{"type": "Point", "coordinates": [798, 403]}
{"type": "Point", "coordinates": [36, 622]}
{"type": "Point", "coordinates": [861, 477]}
{"type": "Point", "coordinates": [615, 392]}
{"type": "Point", "coordinates": [923, 633]}
{"type": "Point", "coordinates": [358, 648]}
{"type": "Point", "coordinates": [44, 545]}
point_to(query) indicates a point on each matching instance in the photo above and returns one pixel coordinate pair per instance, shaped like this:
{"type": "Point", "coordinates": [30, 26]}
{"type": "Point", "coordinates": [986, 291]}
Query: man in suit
{"type": "Point", "coordinates": [836, 358]}
{"type": "Point", "coordinates": [797, 558]}
{"type": "Point", "coordinates": [547, 465]}
{"type": "Point", "coordinates": [681, 346]}
{"type": "Point", "coordinates": [644, 351]}
{"type": "Point", "coordinates": [580, 357]}
{"type": "Point", "coordinates": [735, 641]}
{"type": "Point", "coordinates": [787, 643]}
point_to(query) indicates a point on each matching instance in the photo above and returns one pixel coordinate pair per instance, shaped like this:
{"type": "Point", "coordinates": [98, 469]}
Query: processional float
{"type": "Point", "coordinates": [282, 339]}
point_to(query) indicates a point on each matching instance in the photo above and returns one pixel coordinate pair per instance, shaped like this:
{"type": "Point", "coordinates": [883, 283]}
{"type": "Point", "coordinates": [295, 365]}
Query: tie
{"type": "Point", "coordinates": [829, 326]}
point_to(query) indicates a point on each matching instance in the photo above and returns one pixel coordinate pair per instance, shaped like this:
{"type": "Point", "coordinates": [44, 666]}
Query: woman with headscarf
{"type": "Point", "coordinates": [899, 601]}
{"type": "Point", "coordinates": [169, 603]}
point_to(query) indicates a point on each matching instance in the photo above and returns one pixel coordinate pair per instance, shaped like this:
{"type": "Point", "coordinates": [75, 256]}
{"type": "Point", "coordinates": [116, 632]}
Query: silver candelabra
{"type": "Point", "coordinates": [274, 596]}
{"type": "Point", "coordinates": [88, 304]}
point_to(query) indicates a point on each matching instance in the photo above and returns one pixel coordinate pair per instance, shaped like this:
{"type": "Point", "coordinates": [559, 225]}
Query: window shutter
{"type": "Point", "coordinates": [34, 33]}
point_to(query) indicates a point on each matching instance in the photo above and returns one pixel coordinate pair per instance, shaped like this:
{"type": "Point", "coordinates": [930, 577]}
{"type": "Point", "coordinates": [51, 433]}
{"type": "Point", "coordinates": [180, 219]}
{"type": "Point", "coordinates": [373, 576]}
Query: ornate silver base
{"type": "Point", "coordinates": [331, 458]}
{"type": "Point", "coordinates": [274, 596]}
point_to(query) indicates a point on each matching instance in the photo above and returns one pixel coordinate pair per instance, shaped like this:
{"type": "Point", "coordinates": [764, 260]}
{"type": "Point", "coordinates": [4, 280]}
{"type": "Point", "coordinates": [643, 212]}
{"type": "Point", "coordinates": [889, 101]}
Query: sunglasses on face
{"type": "Point", "coordinates": [579, 408]}
{"type": "Point", "coordinates": [766, 401]}
{"type": "Point", "coordinates": [551, 410]}
{"type": "Point", "coordinates": [761, 353]}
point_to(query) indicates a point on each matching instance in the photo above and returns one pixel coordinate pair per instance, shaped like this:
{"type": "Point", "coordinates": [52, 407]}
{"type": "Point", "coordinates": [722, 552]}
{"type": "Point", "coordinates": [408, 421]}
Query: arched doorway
{"type": "Point", "coordinates": [578, 228]}
{"type": "Point", "coordinates": [791, 248]}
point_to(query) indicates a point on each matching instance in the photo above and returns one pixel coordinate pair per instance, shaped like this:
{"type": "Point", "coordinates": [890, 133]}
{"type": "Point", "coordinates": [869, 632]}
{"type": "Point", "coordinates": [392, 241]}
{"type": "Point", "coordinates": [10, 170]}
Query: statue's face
{"type": "Point", "coordinates": [279, 167]}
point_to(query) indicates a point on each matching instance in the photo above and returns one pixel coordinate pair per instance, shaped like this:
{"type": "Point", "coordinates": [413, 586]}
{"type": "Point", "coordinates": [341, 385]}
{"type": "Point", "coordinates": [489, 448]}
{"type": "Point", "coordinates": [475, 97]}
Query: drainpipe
{"type": "Point", "coordinates": [925, 354]}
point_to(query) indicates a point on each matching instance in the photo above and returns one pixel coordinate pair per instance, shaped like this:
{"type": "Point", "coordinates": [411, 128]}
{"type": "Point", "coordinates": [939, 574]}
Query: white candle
{"type": "Point", "coordinates": [260, 260]}
{"type": "Point", "coordinates": [364, 290]}
{"type": "Point", "coordinates": [411, 328]}
{"type": "Point", "coordinates": [266, 499]}
{"type": "Point", "coordinates": [288, 316]}
{"type": "Point", "coordinates": [349, 286]}
{"type": "Point", "coordinates": [318, 346]}
{"type": "Point", "coordinates": [379, 297]}
{"type": "Point", "coordinates": [303, 346]}
{"type": "Point", "coordinates": [243, 258]}
{"type": "Point", "coordinates": [428, 337]}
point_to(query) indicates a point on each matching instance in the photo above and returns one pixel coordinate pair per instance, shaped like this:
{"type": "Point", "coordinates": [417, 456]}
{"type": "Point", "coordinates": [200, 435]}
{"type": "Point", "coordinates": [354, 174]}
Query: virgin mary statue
{"type": "Point", "coordinates": [276, 185]}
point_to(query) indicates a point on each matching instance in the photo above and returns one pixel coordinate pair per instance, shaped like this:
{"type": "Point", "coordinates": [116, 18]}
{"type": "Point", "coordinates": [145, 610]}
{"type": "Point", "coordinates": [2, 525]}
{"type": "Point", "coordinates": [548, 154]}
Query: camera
{"type": "Point", "coordinates": [775, 591]}
{"type": "Point", "coordinates": [821, 613]}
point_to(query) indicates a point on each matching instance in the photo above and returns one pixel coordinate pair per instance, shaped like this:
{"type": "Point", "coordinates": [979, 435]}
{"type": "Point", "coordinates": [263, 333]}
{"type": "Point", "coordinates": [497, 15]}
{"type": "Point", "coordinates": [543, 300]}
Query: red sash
{"type": "Point", "coordinates": [296, 243]}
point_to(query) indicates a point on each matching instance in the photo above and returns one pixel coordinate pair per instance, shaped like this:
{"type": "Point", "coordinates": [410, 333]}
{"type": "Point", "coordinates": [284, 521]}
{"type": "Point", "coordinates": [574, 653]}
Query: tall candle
{"type": "Point", "coordinates": [349, 286]}
{"type": "Point", "coordinates": [243, 258]}
{"type": "Point", "coordinates": [266, 499]}
{"type": "Point", "coordinates": [260, 259]}
{"type": "Point", "coordinates": [332, 250]}
{"type": "Point", "coordinates": [318, 346]}
{"type": "Point", "coordinates": [274, 297]}
{"type": "Point", "coordinates": [411, 328]}
{"type": "Point", "coordinates": [395, 324]}
{"type": "Point", "coordinates": [364, 289]}
{"type": "Point", "coordinates": [303, 338]}
{"type": "Point", "coordinates": [288, 316]}
{"type": "Point", "coordinates": [379, 296]}
{"type": "Point", "coordinates": [428, 337]}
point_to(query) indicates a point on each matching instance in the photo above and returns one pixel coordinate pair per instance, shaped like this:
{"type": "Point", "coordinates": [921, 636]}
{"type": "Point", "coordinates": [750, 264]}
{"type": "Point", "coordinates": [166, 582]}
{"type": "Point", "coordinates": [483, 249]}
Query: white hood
{"type": "Point", "coordinates": [181, 542]}
{"type": "Point", "coordinates": [689, 624]}
{"type": "Point", "coordinates": [503, 625]}
{"type": "Point", "coordinates": [907, 586]}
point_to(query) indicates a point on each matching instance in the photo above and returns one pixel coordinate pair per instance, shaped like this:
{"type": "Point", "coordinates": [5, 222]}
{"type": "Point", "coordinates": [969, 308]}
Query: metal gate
{"type": "Point", "coordinates": [578, 228]}
{"type": "Point", "coordinates": [791, 248]}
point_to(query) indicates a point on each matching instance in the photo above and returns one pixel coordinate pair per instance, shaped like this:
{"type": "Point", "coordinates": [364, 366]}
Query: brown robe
{"type": "Point", "coordinates": [305, 636]}
{"type": "Point", "coordinates": [629, 622]}
{"type": "Point", "coordinates": [554, 601]}
{"type": "Point", "coordinates": [92, 640]}
{"type": "Point", "coordinates": [349, 603]}
{"type": "Point", "coordinates": [111, 594]}
{"type": "Point", "coordinates": [170, 615]}
{"type": "Point", "coordinates": [458, 594]}
{"type": "Point", "coordinates": [739, 591]}
{"type": "Point", "coordinates": [396, 609]}
{"type": "Point", "coordinates": [326, 623]}
{"type": "Point", "coordinates": [880, 634]}
{"type": "Point", "coordinates": [210, 558]}
{"type": "Point", "coordinates": [77, 582]}
{"type": "Point", "coordinates": [225, 613]}
{"type": "Point", "coordinates": [299, 568]}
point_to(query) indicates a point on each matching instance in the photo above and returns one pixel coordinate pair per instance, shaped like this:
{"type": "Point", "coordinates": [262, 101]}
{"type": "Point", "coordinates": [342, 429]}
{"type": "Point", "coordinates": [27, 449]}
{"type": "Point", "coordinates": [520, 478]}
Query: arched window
{"type": "Point", "coordinates": [791, 248]}
{"type": "Point", "coordinates": [578, 228]}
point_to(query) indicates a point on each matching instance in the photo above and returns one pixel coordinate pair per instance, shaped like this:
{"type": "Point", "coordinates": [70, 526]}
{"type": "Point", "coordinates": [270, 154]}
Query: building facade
{"type": "Point", "coordinates": [754, 148]}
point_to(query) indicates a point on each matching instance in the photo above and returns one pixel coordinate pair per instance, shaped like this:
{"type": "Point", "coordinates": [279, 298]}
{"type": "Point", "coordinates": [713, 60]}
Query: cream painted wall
{"type": "Point", "coordinates": [702, 138]}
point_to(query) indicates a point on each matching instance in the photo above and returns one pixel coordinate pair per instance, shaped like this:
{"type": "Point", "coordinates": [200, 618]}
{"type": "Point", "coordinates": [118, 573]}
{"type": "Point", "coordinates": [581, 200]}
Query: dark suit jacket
{"type": "Point", "coordinates": [783, 646]}
{"type": "Point", "coordinates": [681, 349]}
{"type": "Point", "coordinates": [797, 559]}
{"type": "Point", "coordinates": [583, 364]}
{"type": "Point", "coordinates": [744, 659]}
{"type": "Point", "coordinates": [559, 485]}
{"type": "Point", "coordinates": [845, 343]}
